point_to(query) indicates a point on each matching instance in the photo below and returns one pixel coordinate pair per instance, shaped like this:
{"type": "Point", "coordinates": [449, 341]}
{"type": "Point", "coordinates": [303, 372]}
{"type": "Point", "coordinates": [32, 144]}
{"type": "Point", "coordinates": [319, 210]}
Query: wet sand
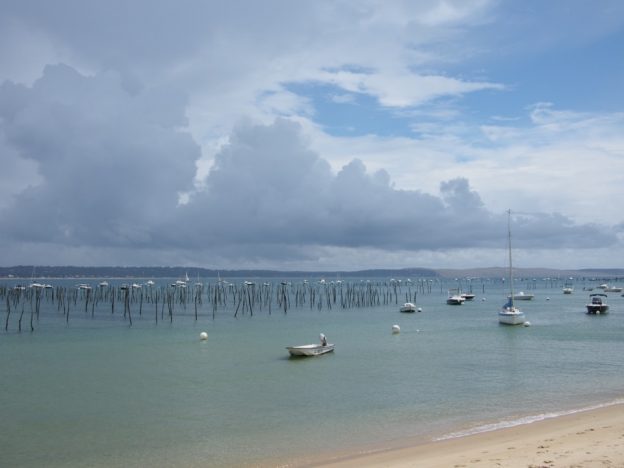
{"type": "Point", "coordinates": [593, 438]}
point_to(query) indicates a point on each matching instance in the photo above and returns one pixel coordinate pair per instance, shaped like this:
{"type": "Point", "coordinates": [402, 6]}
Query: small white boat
{"type": "Point", "coordinates": [522, 296]}
{"type": "Point", "coordinates": [454, 298]}
{"type": "Point", "coordinates": [612, 289]}
{"type": "Point", "coordinates": [568, 288]}
{"type": "Point", "coordinates": [311, 349]}
{"type": "Point", "coordinates": [468, 296]}
{"type": "Point", "coordinates": [597, 305]}
{"type": "Point", "coordinates": [408, 307]}
{"type": "Point", "coordinates": [511, 315]}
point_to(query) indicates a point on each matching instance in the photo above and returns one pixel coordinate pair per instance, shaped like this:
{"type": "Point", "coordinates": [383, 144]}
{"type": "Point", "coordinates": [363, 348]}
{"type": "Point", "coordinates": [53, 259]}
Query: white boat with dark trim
{"type": "Point", "coordinates": [568, 288]}
{"type": "Point", "coordinates": [311, 349]}
{"type": "Point", "coordinates": [612, 289]}
{"type": "Point", "coordinates": [597, 305]}
{"type": "Point", "coordinates": [468, 296]}
{"type": "Point", "coordinates": [408, 307]}
{"type": "Point", "coordinates": [510, 314]}
{"type": "Point", "coordinates": [454, 297]}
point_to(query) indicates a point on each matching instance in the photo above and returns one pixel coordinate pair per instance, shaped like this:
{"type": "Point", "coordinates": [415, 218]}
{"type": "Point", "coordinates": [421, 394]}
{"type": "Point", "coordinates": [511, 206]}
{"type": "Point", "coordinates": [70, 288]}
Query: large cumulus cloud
{"type": "Point", "coordinates": [112, 161]}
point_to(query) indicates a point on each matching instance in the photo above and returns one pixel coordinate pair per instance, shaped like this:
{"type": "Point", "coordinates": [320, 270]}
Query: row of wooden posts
{"type": "Point", "coordinates": [163, 302]}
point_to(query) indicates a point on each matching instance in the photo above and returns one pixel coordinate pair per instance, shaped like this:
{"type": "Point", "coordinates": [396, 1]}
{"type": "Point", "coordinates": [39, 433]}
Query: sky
{"type": "Point", "coordinates": [325, 135]}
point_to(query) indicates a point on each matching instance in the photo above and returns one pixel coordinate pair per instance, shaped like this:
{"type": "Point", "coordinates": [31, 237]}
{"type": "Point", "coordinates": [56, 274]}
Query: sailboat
{"type": "Point", "coordinates": [510, 314]}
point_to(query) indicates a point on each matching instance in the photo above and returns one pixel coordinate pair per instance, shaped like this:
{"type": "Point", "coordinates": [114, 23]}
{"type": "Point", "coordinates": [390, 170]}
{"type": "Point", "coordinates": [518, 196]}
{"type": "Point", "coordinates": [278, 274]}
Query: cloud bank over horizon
{"type": "Point", "coordinates": [245, 143]}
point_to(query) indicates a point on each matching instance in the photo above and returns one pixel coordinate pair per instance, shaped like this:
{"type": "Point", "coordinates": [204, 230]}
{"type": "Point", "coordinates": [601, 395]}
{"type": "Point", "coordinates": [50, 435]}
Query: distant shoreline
{"type": "Point", "coordinates": [29, 272]}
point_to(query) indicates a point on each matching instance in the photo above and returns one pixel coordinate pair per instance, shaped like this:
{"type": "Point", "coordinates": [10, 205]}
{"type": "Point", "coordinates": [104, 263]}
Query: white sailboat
{"type": "Point", "coordinates": [510, 314]}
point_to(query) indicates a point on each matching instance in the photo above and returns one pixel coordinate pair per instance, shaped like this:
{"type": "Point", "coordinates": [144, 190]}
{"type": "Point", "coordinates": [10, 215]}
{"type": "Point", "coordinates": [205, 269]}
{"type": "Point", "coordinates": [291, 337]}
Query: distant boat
{"type": "Point", "coordinates": [408, 307]}
{"type": "Point", "coordinates": [568, 288]}
{"type": "Point", "coordinates": [612, 289]}
{"type": "Point", "coordinates": [597, 305]}
{"type": "Point", "coordinates": [311, 349]}
{"type": "Point", "coordinates": [454, 298]}
{"type": "Point", "coordinates": [522, 296]}
{"type": "Point", "coordinates": [468, 296]}
{"type": "Point", "coordinates": [103, 284]}
{"type": "Point", "coordinates": [510, 314]}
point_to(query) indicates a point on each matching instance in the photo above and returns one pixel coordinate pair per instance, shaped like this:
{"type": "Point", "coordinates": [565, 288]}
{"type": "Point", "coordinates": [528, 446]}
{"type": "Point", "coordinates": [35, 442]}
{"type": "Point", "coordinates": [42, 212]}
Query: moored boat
{"type": "Point", "coordinates": [408, 307]}
{"type": "Point", "coordinates": [312, 349]}
{"type": "Point", "coordinates": [454, 297]}
{"type": "Point", "coordinates": [597, 304]}
{"type": "Point", "coordinates": [509, 313]}
{"type": "Point", "coordinates": [522, 296]}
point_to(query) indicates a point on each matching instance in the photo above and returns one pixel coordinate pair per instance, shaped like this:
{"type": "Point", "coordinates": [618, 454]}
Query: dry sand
{"type": "Point", "coordinates": [592, 438]}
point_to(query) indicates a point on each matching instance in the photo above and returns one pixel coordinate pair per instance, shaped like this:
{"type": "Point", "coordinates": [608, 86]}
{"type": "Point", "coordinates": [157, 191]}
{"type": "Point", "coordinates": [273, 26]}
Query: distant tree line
{"type": "Point", "coordinates": [36, 271]}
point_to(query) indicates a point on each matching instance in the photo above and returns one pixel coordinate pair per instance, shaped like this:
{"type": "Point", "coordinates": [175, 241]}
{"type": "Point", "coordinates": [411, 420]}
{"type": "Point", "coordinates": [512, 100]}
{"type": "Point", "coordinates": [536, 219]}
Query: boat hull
{"type": "Point", "coordinates": [511, 318]}
{"type": "Point", "coordinates": [310, 350]}
{"type": "Point", "coordinates": [454, 301]}
{"type": "Point", "coordinates": [593, 309]}
{"type": "Point", "coordinates": [408, 307]}
{"type": "Point", "coordinates": [523, 297]}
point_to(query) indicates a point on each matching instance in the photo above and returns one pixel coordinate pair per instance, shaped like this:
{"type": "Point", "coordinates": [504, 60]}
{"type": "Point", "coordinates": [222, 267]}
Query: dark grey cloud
{"type": "Point", "coordinates": [111, 162]}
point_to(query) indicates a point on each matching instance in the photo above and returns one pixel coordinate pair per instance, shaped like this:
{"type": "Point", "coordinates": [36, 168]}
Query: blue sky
{"type": "Point", "coordinates": [311, 135]}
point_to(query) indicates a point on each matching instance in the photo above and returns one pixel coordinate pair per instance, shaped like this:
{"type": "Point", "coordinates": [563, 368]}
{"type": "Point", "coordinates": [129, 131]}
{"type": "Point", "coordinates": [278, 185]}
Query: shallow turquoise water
{"type": "Point", "coordinates": [96, 392]}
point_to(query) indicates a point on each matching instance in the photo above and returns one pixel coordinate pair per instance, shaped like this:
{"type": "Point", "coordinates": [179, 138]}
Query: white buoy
{"type": "Point", "coordinates": [420, 309]}
{"type": "Point", "coordinates": [396, 329]}
{"type": "Point", "coordinates": [527, 324]}
{"type": "Point", "coordinates": [483, 298]}
{"type": "Point", "coordinates": [548, 298]}
{"type": "Point", "coordinates": [203, 336]}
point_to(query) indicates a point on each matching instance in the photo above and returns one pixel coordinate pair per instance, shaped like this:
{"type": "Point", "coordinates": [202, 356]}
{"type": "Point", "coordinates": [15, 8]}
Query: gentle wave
{"type": "Point", "coordinates": [524, 420]}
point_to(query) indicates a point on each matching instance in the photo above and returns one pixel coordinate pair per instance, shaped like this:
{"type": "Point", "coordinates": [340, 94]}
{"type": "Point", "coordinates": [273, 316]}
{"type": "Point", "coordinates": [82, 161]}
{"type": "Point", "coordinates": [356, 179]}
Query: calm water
{"type": "Point", "coordinates": [96, 392]}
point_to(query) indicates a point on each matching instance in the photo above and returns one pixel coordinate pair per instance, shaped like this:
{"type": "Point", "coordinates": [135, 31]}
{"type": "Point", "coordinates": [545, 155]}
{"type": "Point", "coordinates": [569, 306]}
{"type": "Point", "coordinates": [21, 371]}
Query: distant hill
{"type": "Point", "coordinates": [501, 272]}
{"type": "Point", "coordinates": [30, 271]}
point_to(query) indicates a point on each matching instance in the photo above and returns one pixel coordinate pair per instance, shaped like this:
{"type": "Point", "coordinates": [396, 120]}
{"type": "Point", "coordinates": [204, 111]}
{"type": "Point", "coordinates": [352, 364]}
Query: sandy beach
{"type": "Point", "coordinates": [593, 438]}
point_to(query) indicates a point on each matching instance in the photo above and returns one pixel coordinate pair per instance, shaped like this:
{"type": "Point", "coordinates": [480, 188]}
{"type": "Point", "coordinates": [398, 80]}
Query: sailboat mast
{"type": "Point", "coordinates": [511, 289]}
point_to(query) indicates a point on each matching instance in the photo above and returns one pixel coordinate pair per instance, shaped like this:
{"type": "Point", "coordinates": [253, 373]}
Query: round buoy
{"type": "Point", "coordinates": [396, 329]}
{"type": "Point", "coordinates": [420, 309]}
{"type": "Point", "coordinates": [483, 298]}
{"type": "Point", "coordinates": [203, 336]}
{"type": "Point", "coordinates": [548, 298]}
{"type": "Point", "coordinates": [527, 324]}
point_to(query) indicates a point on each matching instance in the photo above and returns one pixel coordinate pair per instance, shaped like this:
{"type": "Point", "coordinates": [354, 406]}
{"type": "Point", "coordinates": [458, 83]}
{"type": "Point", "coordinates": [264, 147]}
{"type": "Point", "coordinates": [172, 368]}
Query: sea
{"type": "Point", "coordinates": [85, 387]}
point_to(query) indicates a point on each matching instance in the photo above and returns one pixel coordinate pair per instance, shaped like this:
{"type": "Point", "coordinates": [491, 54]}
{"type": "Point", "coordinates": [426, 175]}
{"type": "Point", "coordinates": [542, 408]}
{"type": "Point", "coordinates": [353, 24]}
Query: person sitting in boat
{"type": "Point", "coordinates": [323, 340]}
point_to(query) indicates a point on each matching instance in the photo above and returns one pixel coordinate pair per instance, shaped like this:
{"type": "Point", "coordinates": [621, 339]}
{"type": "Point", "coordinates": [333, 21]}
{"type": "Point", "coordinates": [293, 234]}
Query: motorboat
{"type": "Point", "coordinates": [312, 349]}
{"type": "Point", "coordinates": [597, 304]}
{"type": "Point", "coordinates": [468, 296]}
{"type": "Point", "coordinates": [454, 298]}
{"type": "Point", "coordinates": [522, 296]}
{"type": "Point", "coordinates": [612, 289]}
{"type": "Point", "coordinates": [568, 288]}
{"type": "Point", "coordinates": [408, 307]}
